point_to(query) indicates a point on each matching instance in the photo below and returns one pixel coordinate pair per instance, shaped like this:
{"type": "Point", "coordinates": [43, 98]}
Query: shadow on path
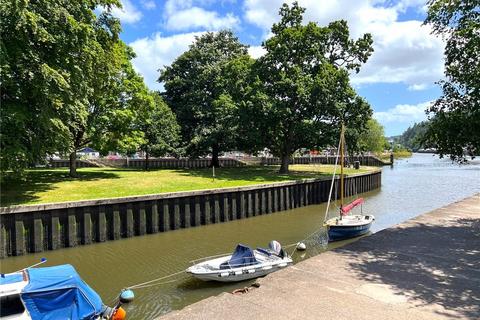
{"type": "Point", "coordinates": [432, 264]}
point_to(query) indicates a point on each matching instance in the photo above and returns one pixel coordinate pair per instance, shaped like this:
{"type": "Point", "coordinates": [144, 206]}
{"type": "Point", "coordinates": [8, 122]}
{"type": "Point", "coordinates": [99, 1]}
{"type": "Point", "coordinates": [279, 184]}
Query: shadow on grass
{"type": "Point", "coordinates": [430, 264]}
{"type": "Point", "coordinates": [17, 191]}
{"type": "Point", "coordinates": [259, 174]}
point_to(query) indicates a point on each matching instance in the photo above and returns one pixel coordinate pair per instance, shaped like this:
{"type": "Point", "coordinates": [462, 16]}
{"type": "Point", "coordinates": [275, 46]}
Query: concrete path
{"type": "Point", "coordinates": [425, 268]}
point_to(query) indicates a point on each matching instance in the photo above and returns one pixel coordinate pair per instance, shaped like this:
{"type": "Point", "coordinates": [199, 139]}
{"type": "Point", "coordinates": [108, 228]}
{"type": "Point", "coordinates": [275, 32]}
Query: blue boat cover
{"type": "Point", "coordinates": [10, 278]}
{"type": "Point", "coordinates": [241, 257]}
{"type": "Point", "coordinates": [59, 293]}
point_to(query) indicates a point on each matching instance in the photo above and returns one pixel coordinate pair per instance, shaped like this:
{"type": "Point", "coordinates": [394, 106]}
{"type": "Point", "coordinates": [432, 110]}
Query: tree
{"type": "Point", "coordinates": [194, 89]}
{"type": "Point", "coordinates": [66, 82]}
{"type": "Point", "coordinates": [305, 86]}
{"type": "Point", "coordinates": [413, 138]}
{"type": "Point", "coordinates": [455, 124]}
{"type": "Point", "coordinates": [373, 139]}
{"type": "Point", "coordinates": [160, 130]}
{"type": "Point", "coordinates": [118, 97]}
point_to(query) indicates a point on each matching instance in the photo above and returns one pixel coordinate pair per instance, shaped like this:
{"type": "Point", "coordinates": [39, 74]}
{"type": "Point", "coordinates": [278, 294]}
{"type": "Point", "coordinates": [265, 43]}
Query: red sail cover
{"type": "Point", "coordinates": [348, 207]}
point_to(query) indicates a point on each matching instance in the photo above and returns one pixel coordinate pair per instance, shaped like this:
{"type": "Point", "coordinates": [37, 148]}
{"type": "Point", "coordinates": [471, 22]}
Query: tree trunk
{"type": "Point", "coordinates": [285, 162]}
{"type": "Point", "coordinates": [73, 164]}
{"type": "Point", "coordinates": [215, 162]}
{"type": "Point", "coordinates": [146, 160]}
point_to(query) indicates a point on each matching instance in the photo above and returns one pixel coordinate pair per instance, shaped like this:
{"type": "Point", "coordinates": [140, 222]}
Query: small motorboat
{"type": "Point", "coordinates": [55, 292]}
{"type": "Point", "coordinates": [245, 263]}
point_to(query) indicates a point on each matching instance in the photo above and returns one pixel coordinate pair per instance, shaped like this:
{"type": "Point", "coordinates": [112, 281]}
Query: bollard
{"type": "Point", "coordinates": [356, 165]}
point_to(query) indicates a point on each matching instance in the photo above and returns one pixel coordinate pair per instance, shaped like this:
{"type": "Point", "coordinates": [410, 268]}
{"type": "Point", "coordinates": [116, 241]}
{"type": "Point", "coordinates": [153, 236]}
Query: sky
{"type": "Point", "coordinates": [398, 80]}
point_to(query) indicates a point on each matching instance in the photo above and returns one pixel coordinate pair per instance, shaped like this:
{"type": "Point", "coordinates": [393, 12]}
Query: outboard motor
{"type": "Point", "coordinates": [276, 248]}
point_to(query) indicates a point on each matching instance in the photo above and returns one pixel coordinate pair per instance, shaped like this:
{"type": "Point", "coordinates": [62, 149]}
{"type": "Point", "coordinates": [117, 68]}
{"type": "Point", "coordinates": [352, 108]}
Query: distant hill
{"type": "Point", "coordinates": [412, 138]}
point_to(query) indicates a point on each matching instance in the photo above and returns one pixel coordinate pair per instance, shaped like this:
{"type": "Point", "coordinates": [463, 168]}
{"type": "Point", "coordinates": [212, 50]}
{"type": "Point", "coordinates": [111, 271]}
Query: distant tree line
{"type": "Point", "coordinates": [413, 138]}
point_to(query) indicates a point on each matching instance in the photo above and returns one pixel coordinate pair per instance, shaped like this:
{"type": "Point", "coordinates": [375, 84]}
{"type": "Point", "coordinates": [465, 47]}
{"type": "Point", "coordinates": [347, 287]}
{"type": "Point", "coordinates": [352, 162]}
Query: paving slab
{"type": "Point", "coordinates": [425, 268]}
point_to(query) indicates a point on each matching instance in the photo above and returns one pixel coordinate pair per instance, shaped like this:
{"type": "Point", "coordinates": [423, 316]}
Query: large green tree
{"type": "Point", "coordinates": [373, 139]}
{"type": "Point", "coordinates": [160, 130]}
{"type": "Point", "coordinates": [455, 120]}
{"type": "Point", "coordinates": [305, 87]}
{"type": "Point", "coordinates": [195, 90]}
{"type": "Point", "coordinates": [66, 80]}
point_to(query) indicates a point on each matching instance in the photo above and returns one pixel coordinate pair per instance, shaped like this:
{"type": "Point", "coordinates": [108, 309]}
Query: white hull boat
{"type": "Point", "coordinates": [54, 293]}
{"type": "Point", "coordinates": [243, 264]}
{"type": "Point", "coordinates": [346, 225]}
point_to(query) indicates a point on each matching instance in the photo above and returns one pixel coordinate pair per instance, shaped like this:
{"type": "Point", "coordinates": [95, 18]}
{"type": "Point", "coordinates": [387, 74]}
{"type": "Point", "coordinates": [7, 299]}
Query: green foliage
{"type": "Point", "coordinates": [67, 80]}
{"type": "Point", "coordinates": [196, 88]}
{"type": "Point", "coordinates": [455, 124]}
{"type": "Point", "coordinates": [301, 89]}
{"type": "Point", "coordinates": [373, 139]}
{"type": "Point", "coordinates": [413, 138]}
{"type": "Point", "coordinates": [159, 127]}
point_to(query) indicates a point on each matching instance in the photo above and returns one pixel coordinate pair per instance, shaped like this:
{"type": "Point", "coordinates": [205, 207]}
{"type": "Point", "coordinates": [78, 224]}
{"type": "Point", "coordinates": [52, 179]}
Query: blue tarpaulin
{"type": "Point", "coordinates": [10, 278]}
{"type": "Point", "coordinates": [59, 293]}
{"type": "Point", "coordinates": [242, 256]}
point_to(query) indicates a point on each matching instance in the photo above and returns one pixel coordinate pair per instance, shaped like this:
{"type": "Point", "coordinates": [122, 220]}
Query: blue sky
{"type": "Point", "coordinates": [398, 80]}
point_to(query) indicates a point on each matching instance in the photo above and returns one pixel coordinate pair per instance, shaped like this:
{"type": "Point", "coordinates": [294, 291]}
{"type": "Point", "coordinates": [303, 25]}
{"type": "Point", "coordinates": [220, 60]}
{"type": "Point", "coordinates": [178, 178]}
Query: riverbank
{"type": "Point", "coordinates": [52, 226]}
{"type": "Point", "coordinates": [55, 185]}
{"type": "Point", "coordinates": [425, 268]}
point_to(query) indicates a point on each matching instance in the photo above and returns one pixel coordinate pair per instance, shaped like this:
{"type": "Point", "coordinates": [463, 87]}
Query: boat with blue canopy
{"type": "Point", "coordinates": [243, 264]}
{"type": "Point", "coordinates": [56, 292]}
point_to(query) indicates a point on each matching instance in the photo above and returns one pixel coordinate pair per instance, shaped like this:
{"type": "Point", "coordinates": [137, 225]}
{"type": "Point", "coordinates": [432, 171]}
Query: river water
{"type": "Point", "coordinates": [411, 187]}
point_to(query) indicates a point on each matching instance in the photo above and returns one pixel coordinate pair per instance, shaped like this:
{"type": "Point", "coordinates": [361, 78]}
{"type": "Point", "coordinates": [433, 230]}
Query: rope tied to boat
{"type": "Point", "coordinates": [154, 282]}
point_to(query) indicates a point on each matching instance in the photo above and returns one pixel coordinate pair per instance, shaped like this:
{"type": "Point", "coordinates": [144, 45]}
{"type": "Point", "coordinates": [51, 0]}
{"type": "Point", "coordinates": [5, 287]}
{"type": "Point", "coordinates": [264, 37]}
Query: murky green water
{"type": "Point", "coordinates": [412, 187]}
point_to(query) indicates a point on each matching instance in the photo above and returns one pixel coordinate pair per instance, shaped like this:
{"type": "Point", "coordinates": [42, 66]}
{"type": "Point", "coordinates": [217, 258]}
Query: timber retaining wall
{"type": "Point", "coordinates": [166, 163]}
{"type": "Point", "coordinates": [36, 228]}
{"type": "Point", "coordinates": [364, 160]}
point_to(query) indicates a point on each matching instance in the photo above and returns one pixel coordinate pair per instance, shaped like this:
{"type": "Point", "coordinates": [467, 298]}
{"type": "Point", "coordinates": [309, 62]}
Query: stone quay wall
{"type": "Point", "coordinates": [36, 228]}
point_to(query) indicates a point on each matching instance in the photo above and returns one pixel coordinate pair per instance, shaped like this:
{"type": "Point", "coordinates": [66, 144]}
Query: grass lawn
{"type": "Point", "coordinates": [54, 185]}
{"type": "Point", "coordinates": [396, 155]}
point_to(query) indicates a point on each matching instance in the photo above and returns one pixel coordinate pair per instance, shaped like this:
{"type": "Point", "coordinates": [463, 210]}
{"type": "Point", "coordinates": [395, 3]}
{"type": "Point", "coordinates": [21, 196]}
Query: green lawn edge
{"type": "Point", "coordinates": [42, 186]}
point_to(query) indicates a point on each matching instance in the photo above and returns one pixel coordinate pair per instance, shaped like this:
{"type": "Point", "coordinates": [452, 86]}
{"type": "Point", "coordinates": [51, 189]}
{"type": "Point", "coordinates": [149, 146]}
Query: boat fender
{"type": "Point", "coordinates": [126, 296]}
{"type": "Point", "coordinates": [119, 314]}
{"type": "Point", "coordinates": [223, 274]}
{"type": "Point", "coordinates": [301, 246]}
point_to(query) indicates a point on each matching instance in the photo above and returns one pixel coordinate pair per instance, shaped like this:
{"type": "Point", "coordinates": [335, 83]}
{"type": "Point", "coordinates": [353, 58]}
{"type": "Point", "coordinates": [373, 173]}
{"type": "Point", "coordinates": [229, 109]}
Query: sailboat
{"type": "Point", "coordinates": [346, 225]}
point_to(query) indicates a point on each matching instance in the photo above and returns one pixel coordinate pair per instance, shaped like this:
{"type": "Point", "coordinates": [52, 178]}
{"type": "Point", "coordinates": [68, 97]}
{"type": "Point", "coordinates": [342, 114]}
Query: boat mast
{"type": "Point", "coordinates": [342, 159]}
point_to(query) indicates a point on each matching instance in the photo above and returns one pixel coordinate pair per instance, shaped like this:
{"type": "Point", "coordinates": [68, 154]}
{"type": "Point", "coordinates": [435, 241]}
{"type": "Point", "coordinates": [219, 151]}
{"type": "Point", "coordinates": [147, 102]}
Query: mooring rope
{"type": "Point", "coordinates": [140, 285]}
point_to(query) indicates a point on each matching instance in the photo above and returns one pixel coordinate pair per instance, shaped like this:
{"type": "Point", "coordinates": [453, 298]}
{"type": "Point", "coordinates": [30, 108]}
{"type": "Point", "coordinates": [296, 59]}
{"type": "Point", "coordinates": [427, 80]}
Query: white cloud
{"type": "Point", "coordinates": [256, 51]}
{"type": "Point", "coordinates": [128, 13]}
{"type": "Point", "coordinates": [198, 18]}
{"type": "Point", "coordinates": [405, 51]}
{"type": "Point", "coordinates": [157, 51]}
{"type": "Point", "coordinates": [403, 113]}
{"type": "Point", "coordinates": [148, 4]}
{"type": "Point", "coordinates": [183, 15]}
{"type": "Point", "coordinates": [417, 87]}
